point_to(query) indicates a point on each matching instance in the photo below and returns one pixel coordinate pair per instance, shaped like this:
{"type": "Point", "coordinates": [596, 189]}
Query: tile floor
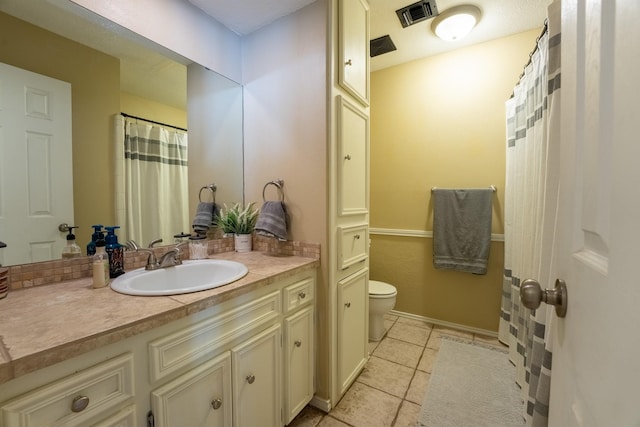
{"type": "Point", "coordinates": [390, 389]}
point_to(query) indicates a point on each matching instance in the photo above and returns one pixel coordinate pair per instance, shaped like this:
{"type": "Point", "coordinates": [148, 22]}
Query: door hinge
{"type": "Point", "coordinates": [150, 420]}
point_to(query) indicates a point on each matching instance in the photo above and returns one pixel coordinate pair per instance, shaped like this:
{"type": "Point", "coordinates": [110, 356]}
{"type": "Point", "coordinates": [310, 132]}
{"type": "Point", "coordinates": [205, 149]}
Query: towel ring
{"type": "Point", "coordinates": [210, 187]}
{"type": "Point", "coordinates": [279, 183]}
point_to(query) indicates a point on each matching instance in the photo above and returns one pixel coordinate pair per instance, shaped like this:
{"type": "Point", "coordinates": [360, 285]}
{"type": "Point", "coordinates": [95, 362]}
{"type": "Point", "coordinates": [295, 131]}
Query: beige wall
{"type": "Point", "coordinates": [152, 110]}
{"type": "Point", "coordinates": [440, 122]}
{"type": "Point", "coordinates": [95, 88]}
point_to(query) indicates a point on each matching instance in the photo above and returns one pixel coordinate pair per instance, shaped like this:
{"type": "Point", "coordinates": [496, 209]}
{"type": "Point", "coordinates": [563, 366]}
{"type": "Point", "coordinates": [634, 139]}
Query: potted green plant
{"type": "Point", "coordinates": [239, 221]}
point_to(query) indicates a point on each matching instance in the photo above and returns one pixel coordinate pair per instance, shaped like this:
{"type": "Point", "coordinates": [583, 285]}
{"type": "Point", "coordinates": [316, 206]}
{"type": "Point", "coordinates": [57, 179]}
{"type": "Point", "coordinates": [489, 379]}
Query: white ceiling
{"type": "Point", "coordinates": [500, 18]}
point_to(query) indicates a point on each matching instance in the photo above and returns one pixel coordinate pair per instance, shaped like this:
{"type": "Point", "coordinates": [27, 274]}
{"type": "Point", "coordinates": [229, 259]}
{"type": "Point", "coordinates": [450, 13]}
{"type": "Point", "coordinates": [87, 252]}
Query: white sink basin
{"type": "Point", "coordinates": [191, 276]}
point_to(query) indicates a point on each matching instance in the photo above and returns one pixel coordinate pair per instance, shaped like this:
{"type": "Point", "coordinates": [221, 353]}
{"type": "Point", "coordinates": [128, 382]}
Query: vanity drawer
{"type": "Point", "coordinates": [353, 245]}
{"type": "Point", "coordinates": [176, 352]}
{"type": "Point", "coordinates": [298, 294]}
{"type": "Point", "coordinates": [75, 400]}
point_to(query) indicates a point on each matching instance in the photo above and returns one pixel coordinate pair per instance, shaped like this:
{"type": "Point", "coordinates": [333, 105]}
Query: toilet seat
{"type": "Point", "coordinates": [381, 289]}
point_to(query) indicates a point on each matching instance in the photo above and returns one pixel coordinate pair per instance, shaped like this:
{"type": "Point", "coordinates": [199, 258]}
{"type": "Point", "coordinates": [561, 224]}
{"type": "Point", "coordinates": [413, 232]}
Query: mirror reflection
{"type": "Point", "coordinates": [109, 71]}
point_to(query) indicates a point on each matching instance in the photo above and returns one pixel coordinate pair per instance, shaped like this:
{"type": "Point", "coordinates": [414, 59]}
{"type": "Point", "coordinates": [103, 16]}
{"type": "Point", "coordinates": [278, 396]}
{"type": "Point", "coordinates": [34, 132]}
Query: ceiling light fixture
{"type": "Point", "coordinates": [455, 23]}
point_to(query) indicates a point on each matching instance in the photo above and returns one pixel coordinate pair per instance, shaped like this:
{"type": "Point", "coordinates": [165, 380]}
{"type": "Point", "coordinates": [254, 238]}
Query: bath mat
{"type": "Point", "coordinates": [471, 385]}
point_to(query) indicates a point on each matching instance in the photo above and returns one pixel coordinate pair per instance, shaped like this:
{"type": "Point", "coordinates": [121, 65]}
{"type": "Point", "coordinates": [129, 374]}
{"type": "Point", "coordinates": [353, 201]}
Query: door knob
{"type": "Point", "coordinates": [531, 295]}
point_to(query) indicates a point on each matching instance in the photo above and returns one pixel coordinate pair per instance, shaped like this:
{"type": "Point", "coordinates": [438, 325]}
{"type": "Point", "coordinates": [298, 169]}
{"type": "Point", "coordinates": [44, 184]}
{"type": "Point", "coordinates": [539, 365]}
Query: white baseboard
{"type": "Point", "coordinates": [321, 403]}
{"type": "Point", "coordinates": [450, 325]}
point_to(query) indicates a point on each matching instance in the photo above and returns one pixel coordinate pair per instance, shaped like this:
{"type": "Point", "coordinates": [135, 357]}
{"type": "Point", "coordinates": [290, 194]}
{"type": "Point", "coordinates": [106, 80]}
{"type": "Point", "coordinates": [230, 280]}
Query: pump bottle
{"type": "Point", "coordinates": [97, 234]}
{"type": "Point", "coordinates": [100, 264]}
{"type": "Point", "coordinates": [71, 250]}
{"type": "Point", "coordinates": [115, 251]}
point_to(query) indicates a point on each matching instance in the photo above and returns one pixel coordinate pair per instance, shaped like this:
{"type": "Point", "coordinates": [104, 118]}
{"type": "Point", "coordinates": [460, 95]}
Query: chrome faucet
{"type": "Point", "coordinates": [172, 257]}
{"type": "Point", "coordinates": [152, 262]}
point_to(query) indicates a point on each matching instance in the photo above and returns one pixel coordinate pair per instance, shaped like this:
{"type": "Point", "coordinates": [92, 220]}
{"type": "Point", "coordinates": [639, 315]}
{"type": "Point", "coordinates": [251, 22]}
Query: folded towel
{"type": "Point", "coordinates": [204, 217]}
{"type": "Point", "coordinates": [273, 221]}
{"type": "Point", "coordinates": [462, 229]}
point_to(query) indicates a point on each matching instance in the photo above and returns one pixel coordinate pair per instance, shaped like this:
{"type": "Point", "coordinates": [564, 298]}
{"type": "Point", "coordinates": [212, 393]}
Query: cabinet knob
{"type": "Point", "coordinates": [356, 236]}
{"type": "Point", "coordinates": [216, 404]}
{"type": "Point", "coordinates": [298, 343]}
{"type": "Point", "coordinates": [348, 62]}
{"type": "Point", "coordinates": [347, 305]}
{"type": "Point", "coordinates": [347, 157]}
{"type": "Point", "coordinates": [251, 378]}
{"type": "Point", "coordinates": [79, 403]}
{"type": "Point", "coordinates": [302, 295]}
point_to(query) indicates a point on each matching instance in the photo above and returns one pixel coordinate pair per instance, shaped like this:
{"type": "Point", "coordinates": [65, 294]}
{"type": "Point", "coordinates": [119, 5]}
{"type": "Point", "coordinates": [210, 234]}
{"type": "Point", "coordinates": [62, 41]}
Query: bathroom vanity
{"type": "Point", "coordinates": [238, 355]}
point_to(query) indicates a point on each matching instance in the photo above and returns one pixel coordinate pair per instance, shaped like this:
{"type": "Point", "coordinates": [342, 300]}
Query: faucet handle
{"type": "Point", "coordinates": [132, 246]}
{"type": "Point", "coordinates": [153, 242]}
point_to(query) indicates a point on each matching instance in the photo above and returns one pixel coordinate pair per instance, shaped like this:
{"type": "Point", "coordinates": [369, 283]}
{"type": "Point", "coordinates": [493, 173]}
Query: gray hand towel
{"type": "Point", "coordinates": [273, 221]}
{"type": "Point", "coordinates": [462, 229]}
{"type": "Point", "coordinates": [204, 217]}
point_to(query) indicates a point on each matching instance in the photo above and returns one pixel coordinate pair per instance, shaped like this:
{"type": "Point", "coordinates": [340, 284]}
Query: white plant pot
{"type": "Point", "coordinates": [243, 242]}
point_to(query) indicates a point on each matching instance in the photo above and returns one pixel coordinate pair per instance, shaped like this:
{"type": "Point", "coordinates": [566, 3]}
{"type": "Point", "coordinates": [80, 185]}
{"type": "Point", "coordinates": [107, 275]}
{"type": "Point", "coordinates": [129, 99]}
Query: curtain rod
{"type": "Point", "coordinates": [545, 28]}
{"type": "Point", "coordinates": [151, 121]}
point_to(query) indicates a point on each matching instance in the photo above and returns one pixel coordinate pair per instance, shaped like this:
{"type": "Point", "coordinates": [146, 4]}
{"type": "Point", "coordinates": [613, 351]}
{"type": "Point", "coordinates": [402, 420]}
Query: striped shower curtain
{"type": "Point", "coordinates": [152, 199]}
{"type": "Point", "coordinates": [530, 215]}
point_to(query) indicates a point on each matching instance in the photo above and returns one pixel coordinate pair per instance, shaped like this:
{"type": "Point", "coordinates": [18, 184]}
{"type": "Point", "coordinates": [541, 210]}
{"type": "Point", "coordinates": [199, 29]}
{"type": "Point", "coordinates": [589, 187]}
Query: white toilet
{"type": "Point", "coordinates": [382, 299]}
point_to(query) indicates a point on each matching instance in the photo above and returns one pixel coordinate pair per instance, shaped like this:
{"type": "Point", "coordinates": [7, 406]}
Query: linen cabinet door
{"type": "Point", "coordinates": [353, 304]}
{"type": "Point", "coordinates": [257, 380]}
{"type": "Point", "coordinates": [199, 398]}
{"type": "Point", "coordinates": [298, 362]}
{"type": "Point", "coordinates": [353, 53]}
{"type": "Point", "coordinates": [353, 159]}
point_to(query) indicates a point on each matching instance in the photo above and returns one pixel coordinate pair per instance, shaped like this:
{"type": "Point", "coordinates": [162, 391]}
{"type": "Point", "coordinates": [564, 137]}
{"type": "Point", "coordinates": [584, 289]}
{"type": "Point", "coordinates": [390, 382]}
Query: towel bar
{"type": "Point", "coordinates": [279, 183]}
{"type": "Point", "coordinates": [210, 187]}
{"type": "Point", "coordinates": [491, 187]}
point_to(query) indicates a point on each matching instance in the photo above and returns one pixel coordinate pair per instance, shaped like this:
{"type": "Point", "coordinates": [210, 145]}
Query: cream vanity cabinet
{"type": "Point", "coordinates": [99, 395]}
{"type": "Point", "coordinates": [247, 382]}
{"type": "Point", "coordinates": [244, 362]}
{"type": "Point", "coordinates": [349, 272]}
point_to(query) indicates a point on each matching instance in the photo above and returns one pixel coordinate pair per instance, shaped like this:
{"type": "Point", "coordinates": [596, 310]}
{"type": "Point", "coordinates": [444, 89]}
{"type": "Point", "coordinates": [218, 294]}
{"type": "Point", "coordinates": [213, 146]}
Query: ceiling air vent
{"type": "Point", "coordinates": [417, 12]}
{"type": "Point", "coordinates": [381, 45]}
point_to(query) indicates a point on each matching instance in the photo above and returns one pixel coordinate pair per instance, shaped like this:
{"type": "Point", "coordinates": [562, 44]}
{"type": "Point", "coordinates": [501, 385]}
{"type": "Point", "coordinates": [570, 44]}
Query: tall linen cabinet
{"type": "Point", "coordinates": [349, 191]}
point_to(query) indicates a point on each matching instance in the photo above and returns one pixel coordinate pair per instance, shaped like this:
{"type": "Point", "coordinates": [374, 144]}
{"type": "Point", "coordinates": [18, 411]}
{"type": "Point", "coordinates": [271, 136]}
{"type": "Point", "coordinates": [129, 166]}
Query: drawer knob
{"type": "Point", "coordinates": [298, 343]}
{"type": "Point", "coordinates": [79, 403]}
{"type": "Point", "coordinates": [347, 305]}
{"type": "Point", "coordinates": [216, 404]}
{"type": "Point", "coordinates": [302, 295]}
{"type": "Point", "coordinates": [349, 62]}
{"type": "Point", "coordinates": [347, 157]}
{"type": "Point", "coordinates": [251, 378]}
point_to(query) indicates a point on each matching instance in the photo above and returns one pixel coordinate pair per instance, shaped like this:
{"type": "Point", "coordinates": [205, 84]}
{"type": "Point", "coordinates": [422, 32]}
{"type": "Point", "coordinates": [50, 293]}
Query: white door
{"type": "Point", "coordinates": [596, 348]}
{"type": "Point", "coordinates": [36, 184]}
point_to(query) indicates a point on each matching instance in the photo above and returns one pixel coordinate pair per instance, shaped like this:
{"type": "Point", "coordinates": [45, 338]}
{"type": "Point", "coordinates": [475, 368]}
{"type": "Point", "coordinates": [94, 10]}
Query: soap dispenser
{"type": "Point", "coordinates": [115, 251]}
{"type": "Point", "coordinates": [71, 250]}
{"type": "Point", "coordinates": [100, 264]}
{"type": "Point", "coordinates": [97, 234]}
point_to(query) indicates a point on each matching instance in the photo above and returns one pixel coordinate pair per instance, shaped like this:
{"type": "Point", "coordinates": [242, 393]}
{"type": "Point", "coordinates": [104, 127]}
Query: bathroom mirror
{"type": "Point", "coordinates": [113, 70]}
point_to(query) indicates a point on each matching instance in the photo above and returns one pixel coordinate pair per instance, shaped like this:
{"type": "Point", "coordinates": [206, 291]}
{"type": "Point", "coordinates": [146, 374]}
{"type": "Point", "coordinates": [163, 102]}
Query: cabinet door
{"type": "Point", "coordinates": [298, 362]}
{"type": "Point", "coordinates": [353, 317]}
{"type": "Point", "coordinates": [201, 397]}
{"type": "Point", "coordinates": [353, 143]}
{"type": "Point", "coordinates": [353, 57]}
{"type": "Point", "coordinates": [256, 380]}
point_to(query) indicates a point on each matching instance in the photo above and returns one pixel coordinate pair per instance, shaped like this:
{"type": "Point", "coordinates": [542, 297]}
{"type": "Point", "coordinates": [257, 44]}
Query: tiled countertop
{"type": "Point", "coordinates": [44, 325]}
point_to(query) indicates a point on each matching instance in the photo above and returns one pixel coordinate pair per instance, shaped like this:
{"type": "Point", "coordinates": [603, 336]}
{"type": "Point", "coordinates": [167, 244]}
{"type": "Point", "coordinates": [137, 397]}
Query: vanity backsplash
{"type": "Point", "coordinates": [49, 272]}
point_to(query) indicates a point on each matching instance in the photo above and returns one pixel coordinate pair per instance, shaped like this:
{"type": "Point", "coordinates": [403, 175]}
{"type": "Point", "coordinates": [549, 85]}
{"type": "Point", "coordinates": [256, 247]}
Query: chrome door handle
{"type": "Point", "coordinates": [531, 295]}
